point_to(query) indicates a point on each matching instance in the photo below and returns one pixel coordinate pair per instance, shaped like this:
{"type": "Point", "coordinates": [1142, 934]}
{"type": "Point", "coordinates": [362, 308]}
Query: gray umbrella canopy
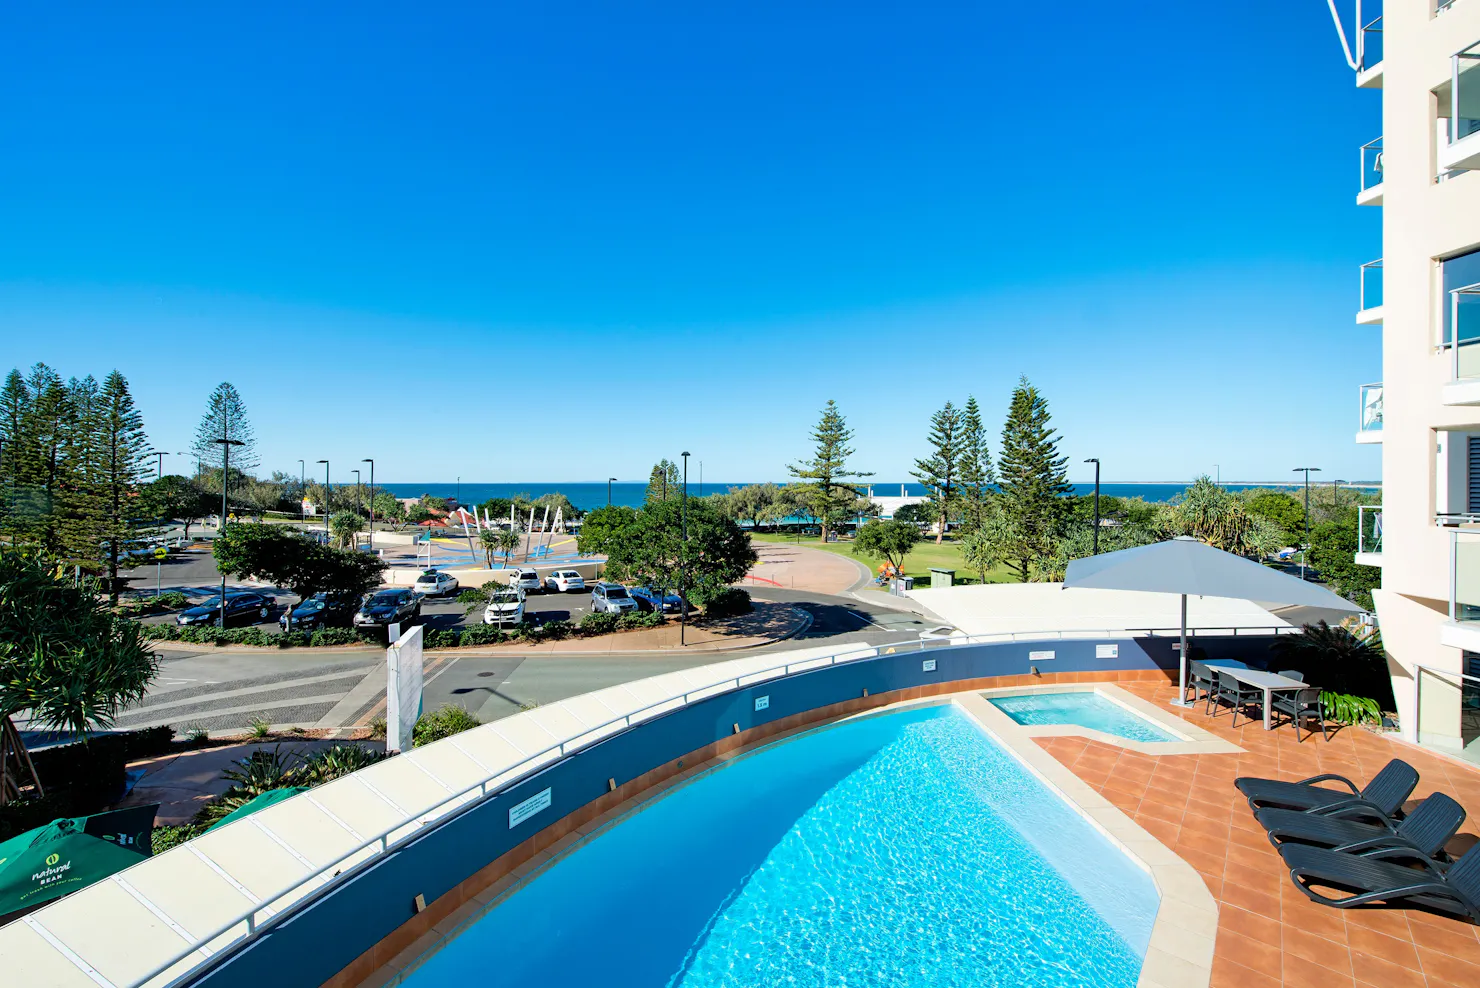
{"type": "Point", "coordinates": [1186, 566]}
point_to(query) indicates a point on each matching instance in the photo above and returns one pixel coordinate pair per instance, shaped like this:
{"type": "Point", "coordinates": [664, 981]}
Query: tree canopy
{"type": "Point", "coordinates": [286, 558]}
{"type": "Point", "coordinates": [647, 546]}
{"type": "Point", "coordinates": [1032, 483]}
{"type": "Point", "coordinates": [828, 489]}
{"type": "Point", "coordinates": [226, 418]}
{"type": "Point", "coordinates": [940, 471]}
{"type": "Point", "coordinates": [887, 540]}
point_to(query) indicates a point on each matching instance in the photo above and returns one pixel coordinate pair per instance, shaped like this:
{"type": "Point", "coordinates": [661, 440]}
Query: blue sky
{"type": "Point", "coordinates": [543, 245]}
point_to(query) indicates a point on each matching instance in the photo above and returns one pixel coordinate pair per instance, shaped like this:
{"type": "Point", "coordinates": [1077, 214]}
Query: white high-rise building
{"type": "Point", "coordinates": [1422, 58]}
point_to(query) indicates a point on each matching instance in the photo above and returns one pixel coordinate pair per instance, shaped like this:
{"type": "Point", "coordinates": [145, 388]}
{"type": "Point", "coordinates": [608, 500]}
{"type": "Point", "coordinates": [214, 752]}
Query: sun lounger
{"type": "Point", "coordinates": [1425, 830]}
{"type": "Point", "coordinates": [1380, 799]}
{"type": "Point", "coordinates": [1386, 875]}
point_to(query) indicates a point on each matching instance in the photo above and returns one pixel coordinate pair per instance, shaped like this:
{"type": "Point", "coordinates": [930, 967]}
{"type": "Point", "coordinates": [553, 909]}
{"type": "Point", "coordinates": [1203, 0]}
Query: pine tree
{"type": "Point", "coordinates": [976, 475]}
{"type": "Point", "coordinates": [663, 482]}
{"type": "Point", "coordinates": [79, 500]}
{"type": "Point", "coordinates": [226, 418]}
{"type": "Point", "coordinates": [15, 405]}
{"type": "Point", "coordinates": [38, 459]}
{"type": "Point", "coordinates": [1032, 480]}
{"type": "Point", "coordinates": [829, 490]}
{"type": "Point", "coordinates": [122, 463]}
{"type": "Point", "coordinates": [939, 472]}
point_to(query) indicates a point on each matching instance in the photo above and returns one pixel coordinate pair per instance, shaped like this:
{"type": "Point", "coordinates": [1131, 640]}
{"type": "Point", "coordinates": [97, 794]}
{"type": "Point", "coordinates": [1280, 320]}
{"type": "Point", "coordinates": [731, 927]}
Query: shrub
{"type": "Point", "coordinates": [727, 602]}
{"type": "Point", "coordinates": [337, 636]}
{"type": "Point", "coordinates": [480, 634]}
{"type": "Point", "coordinates": [437, 638]}
{"type": "Point", "coordinates": [554, 630]}
{"type": "Point", "coordinates": [259, 727]}
{"type": "Point", "coordinates": [597, 623]}
{"type": "Point", "coordinates": [378, 728]}
{"type": "Point", "coordinates": [165, 838]}
{"type": "Point", "coordinates": [150, 742]}
{"type": "Point", "coordinates": [1343, 708]}
{"type": "Point", "coordinates": [335, 762]}
{"type": "Point", "coordinates": [635, 619]}
{"type": "Point", "coordinates": [443, 722]}
{"type": "Point", "coordinates": [171, 601]}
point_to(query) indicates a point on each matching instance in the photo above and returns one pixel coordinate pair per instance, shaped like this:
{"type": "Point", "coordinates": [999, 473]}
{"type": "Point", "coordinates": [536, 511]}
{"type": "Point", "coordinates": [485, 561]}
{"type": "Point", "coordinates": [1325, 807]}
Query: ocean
{"type": "Point", "coordinates": [588, 496]}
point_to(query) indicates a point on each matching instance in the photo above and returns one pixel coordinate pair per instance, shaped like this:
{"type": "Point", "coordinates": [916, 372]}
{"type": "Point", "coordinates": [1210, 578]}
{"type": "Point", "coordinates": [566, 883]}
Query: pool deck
{"type": "Point", "coordinates": [1268, 933]}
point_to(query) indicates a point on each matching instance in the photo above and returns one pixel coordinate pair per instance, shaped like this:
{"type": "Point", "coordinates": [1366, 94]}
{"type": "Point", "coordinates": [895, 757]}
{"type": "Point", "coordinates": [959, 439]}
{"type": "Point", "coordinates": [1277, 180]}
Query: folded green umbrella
{"type": "Point", "coordinates": [71, 853]}
{"type": "Point", "coordinates": [259, 802]}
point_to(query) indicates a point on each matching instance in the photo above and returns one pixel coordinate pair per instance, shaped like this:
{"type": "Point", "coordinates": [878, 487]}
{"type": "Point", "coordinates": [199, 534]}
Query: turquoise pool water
{"type": "Point", "coordinates": [902, 850]}
{"type": "Point", "coordinates": [1084, 710]}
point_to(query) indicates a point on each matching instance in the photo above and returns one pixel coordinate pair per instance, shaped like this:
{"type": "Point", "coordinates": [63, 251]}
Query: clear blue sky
{"type": "Point", "coordinates": [542, 245]}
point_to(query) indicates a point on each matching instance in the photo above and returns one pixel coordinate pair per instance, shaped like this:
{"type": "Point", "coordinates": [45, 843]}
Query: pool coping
{"type": "Point", "coordinates": [1178, 955]}
{"type": "Point", "coordinates": [1195, 740]}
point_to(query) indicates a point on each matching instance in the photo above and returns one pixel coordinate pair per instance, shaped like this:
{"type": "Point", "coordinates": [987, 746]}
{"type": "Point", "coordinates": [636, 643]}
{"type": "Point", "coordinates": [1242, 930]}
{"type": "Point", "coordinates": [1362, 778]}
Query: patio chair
{"type": "Point", "coordinates": [1294, 674]}
{"type": "Point", "coordinates": [1381, 798]}
{"type": "Point", "coordinates": [1386, 875]}
{"type": "Point", "coordinates": [1425, 830]}
{"type": "Point", "coordinates": [1301, 705]}
{"type": "Point", "coordinates": [1201, 680]}
{"type": "Point", "coordinates": [1234, 693]}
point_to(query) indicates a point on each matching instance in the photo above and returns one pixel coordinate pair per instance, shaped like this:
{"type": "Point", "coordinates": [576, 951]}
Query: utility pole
{"type": "Point", "coordinates": [683, 570]}
{"type": "Point", "coordinates": [326, 498]}
{"type": "Point", "coordinates": [1096, 536]}
{"type": "Point", "coordinates": [609, 491]}
{"type": "Point", "coordinates": [225, 445]}
{"type": "Point", "coordinates": [1305, 549]}
{"type": "Point", "coordinates": [372, 503]}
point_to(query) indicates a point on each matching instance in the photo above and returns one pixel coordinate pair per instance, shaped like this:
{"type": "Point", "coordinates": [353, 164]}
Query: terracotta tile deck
{"type": "Point", "coordinates": [1269, 934]}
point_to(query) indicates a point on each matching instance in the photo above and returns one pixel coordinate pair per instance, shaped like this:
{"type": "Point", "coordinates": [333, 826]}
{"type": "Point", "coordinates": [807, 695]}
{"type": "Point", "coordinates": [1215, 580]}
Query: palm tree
{"type": "Point", "coordinates": [508, 543]}
{"type": "Point", "coordinates": [345, 526]}
{"type": "Point", "coordinates": [489, 538]}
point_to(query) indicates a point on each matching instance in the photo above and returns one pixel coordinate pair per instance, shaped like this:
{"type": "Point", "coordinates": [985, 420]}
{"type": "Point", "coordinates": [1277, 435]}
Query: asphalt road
{"type": "Point", "coordinates": [222, 690]}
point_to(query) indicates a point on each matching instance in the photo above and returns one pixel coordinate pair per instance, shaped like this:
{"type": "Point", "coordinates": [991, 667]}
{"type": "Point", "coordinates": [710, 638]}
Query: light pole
{"type": "Point", "coordinates": [683, 569]}
{"type": "Point", "coordinates": [1335, 487]}
{"type": "Point", "coordinates": [609, 491]}
{"type": "Point", "coordinates": [326, 498]}
{"type": "Point", "coordinates": [358, 500]}
{"type": "Point", "coordinates": [459, 492]}
{"type": "Point", "coordinates": [1095, 538]}
{"type": "Point", "coordinates": [225, 445]}
{"type": "Point", "coordinates": [372, 502]}
{"type": "Point", "coordinates": [302, 493]}
{"type": "Point", "coordinates": [1305, 549]}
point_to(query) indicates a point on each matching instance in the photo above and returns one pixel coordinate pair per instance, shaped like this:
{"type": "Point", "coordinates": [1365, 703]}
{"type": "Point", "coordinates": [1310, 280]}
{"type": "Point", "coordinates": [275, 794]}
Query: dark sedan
{"type": "Point", "coordinates": [318, 612]}
{"type": "Point", "coordinates": [245, 607]}
{"type": "Point", "coordinates": [388, 607]}
{"type": "Point", "coordinates": [647, 600]}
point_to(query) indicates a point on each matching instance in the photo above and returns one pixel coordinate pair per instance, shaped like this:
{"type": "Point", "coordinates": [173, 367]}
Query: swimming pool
{"type": "Point", "coordinates": [1083, 709]}
{"type": "Point", "coordinates": [904, 849]}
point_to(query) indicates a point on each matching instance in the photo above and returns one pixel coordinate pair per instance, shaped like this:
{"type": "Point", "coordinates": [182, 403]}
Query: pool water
{"type": "Point", "coordinates": [1083, 709]}
{"type": "Point", "coordinates": [906, 849]}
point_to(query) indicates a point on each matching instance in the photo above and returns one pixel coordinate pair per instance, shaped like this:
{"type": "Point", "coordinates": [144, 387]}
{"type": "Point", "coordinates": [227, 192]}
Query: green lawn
{"type": "Point", "coordinates": [917, 564]}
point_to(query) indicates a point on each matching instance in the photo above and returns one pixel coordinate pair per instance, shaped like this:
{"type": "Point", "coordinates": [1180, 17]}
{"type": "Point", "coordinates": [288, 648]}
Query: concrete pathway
{"type": "Point", "coordinates": [790, 566]}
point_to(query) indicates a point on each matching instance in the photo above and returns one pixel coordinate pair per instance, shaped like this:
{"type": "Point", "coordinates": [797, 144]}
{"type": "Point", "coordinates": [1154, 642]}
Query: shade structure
{"type": "Point", "coordinates": [1188, 567]}
{"type": "Point", "coordinates": [71, 853]}
{"type": "Point", "coordinates": [259, 802]}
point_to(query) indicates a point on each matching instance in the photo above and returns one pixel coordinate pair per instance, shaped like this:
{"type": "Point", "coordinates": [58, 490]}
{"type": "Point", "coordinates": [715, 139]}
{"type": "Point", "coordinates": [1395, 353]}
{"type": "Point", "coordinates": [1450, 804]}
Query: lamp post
{"type": "Point", "coordinates": [1095, 538]}
{"type": "Point", "coordinates": [358, 499]}
{"type": "Point", "coordinates": [326, 497]}
{"type": "Point", "coordinates": [609, 491]}
{"type": "Point", "coordinates": [225, 445]}
{"type": "Point", "coordinates": [1335, 487]}
{"type": "Point", "coordinates": [372, 502]}
{"type": "Point", "coordinates": [1305, 549]}
{"type": "Point", "coordinates": [683, 569]}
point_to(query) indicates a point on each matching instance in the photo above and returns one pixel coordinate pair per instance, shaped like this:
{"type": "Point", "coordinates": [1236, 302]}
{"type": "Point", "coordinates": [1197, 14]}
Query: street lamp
{"type": "Point", "coordinates": [1095, 550]}
{"type": "Point", "coordinates": [225, 445]}
{"type": "Point", "coordinates": [326, 497]}
{"type": "Point", "coordinates": [1335, 487]}
{"type": "Point", "coordinates": [609, 491]}
{"type": "Point", "coordinates": [372, 502]}
{"type": "Point", "coordinates": [683, 569]}
{"type": "Point", "coordinates": [358, 499]}
{"type": "Point", "coordinates": [1305, 549]}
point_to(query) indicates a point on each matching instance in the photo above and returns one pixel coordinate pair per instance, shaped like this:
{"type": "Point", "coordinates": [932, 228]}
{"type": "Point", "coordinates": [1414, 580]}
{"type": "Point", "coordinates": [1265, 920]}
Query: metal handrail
{"type": "Point", "coordinates": [459, 802]}
{"type": "Point", "coordinates": [1453, 519]}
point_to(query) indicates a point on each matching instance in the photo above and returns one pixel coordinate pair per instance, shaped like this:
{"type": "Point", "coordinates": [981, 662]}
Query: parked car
{"type": "Point", "coordinates": [242, 607]}
{"type": "Point", "coordinates": [505, 607]}
{"type": "Point", "coordinates": [527, 580]}
{"type": "Point", "coordinates": [647, 599]}
{"type": "Point", "coordinates": [435, 583]}
{"type": "Point", "coordinates": [388, 607]}
{"type": "Point", "coordinates": [611, 598]}
{"type": "Point", "coordinates": [320, 611]}
{"type": "Point", "coordinates": [565, 581]}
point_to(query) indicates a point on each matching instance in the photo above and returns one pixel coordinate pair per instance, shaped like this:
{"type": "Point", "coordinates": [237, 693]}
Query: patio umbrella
{"type": "Point", "coordinates": [1186, 566]}
{"type": "Point", "coordinates": [259, 802]}
{"type": "Point", "coordinates": [71, 853]}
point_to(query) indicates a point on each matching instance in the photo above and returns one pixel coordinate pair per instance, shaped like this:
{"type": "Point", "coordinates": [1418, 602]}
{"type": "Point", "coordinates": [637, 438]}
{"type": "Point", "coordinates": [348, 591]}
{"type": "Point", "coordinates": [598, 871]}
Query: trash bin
{"type": "Point", "coordinates": [903, 583]}
{"type": "Point", "coordinates": [942, 577]}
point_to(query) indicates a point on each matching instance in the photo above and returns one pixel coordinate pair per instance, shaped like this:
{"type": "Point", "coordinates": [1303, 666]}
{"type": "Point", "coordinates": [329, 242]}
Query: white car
{"type": "Point", "coordinates": [505, 607]}
{"type": "Point", "coordinates": [527, 580]}
{"type": "Point", "coordinates": [565, 581]}
{"type": "Point", "coordinates": [611, 598]}
{"type": "Point", "coordinates": [435, 583]}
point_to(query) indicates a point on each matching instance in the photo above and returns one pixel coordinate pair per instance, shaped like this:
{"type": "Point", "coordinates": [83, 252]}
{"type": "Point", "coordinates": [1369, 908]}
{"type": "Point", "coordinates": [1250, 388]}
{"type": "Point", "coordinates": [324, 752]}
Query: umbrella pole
{"type": "Point", "coordinates": [1181, 700]}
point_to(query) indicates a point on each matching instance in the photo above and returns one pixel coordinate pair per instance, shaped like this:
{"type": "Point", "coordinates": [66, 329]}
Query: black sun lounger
{"type": "Point", "coordinates": [1425, 830]}
{"type": "Point", "coordinates": [1382, 876]}
{"type": "Point", "coordinates": [1379, 799]}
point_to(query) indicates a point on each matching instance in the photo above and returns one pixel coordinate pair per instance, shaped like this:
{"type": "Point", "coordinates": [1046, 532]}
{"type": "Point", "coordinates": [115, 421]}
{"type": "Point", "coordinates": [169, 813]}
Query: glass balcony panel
{"type": "Point", "coordinates": [1372, 42]}
{"type": "Point", "coordinates": [1371, 408]}
{"type": "Point", "coordinates": [1369, 528]}
{"type": "Point", "coordinates": [1371, 164]}
{"type": "Point", "coordinates": [1372, 284]}
{"type": "Point", "coordinates": [1464, 108]}
{"type": "Point", "coordinates": [1466, 581]}
{"type": "Point", "coordinates": [1449, 711]}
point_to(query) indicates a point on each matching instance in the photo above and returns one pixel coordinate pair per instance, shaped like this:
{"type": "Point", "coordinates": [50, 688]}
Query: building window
{"type": "Point", "coordinates": [1459, 274]}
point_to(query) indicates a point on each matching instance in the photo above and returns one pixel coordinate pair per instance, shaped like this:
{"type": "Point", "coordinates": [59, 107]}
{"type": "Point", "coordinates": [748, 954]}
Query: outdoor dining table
{"type": "Point", "coordinates": [1271, 683]}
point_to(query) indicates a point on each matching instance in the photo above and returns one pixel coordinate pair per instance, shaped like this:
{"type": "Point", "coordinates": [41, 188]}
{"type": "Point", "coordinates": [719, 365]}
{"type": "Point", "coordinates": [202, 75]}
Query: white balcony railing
{"type": "Point", "coordinates": [1369, 308]}
{"type": "Point", "coordinates": [1369, 423]}
{"type": "Point", "coordinates": [1369, 192]}
{"type": "Point", "coordinates": [1462, 146]}
{"type": "Point", "coordinates": [1464, 333]}
{"type": "Point", "coordinates": [1369, 529]}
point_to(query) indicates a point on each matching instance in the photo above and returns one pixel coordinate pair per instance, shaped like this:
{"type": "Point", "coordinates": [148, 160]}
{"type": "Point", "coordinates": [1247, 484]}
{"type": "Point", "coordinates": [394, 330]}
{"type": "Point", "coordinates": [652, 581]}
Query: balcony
{"type": "Point", "coordinates": [1370, 191]}
{"type": "Point", "coordinates": [1463, 325]}
{"type": "Point", "coordinates": [1369, 535]}
{"type": "Point", "coordinates": [1462, 630]}
{"type": "Point", "coordinates": [1369, 312]}
{"type": "Point", "coordinates": [1370, 422]}
{"type": "Point", "coordinates": [1369, 53]}
{"type": "Point", "coordinates": [1459, 108]}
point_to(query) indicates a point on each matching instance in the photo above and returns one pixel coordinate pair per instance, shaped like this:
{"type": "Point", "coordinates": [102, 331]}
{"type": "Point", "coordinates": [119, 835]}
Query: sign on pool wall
{"type": "Point", "coordinates": [522, 811]}
{"type": "Point", "coordinates": [763, 702]}
{"type": "Point", "coordinates": [1107, 651]}
{"type": "Point", "coordinates": [1042, 656]}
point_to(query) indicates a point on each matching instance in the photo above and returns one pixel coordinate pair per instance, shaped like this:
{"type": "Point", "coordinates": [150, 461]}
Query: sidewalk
{"type": "Point", "coordinates": [799, 567]}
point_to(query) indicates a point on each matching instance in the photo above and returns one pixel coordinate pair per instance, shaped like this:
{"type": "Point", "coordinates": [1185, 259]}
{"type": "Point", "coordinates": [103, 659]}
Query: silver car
{"type": "Point", "coordinates": [611, 598]}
